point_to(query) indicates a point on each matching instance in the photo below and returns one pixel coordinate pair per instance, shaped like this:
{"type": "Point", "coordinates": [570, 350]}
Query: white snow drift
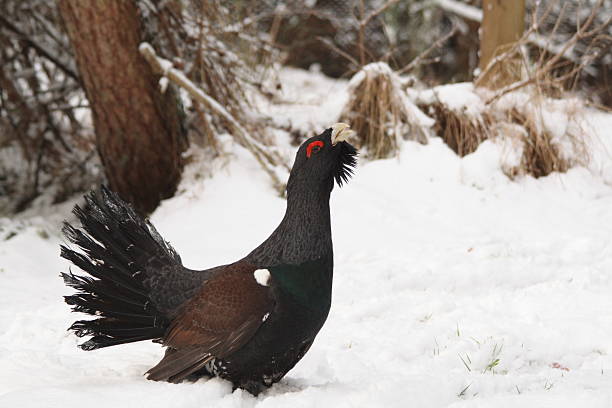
{"type": "Point", "coordinates": [453, 287]}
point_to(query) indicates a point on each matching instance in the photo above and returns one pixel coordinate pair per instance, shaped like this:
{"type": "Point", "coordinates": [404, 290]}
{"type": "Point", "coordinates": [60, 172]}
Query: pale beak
{"type": "Point", "coordinates": [340, 133]}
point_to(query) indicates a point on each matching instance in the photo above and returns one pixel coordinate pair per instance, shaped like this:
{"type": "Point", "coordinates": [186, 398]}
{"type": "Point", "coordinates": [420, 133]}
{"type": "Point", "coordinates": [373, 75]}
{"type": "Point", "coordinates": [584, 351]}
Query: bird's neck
{"type": "Point", "coordinates": [303, 235]}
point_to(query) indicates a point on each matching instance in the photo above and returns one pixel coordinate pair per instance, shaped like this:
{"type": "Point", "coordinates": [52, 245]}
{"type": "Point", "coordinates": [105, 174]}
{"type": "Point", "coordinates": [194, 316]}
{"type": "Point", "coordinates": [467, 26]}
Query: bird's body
{"type": "Point", "coordinates": [249, 322]}
{"type": "Point", "coordinates": [286, 332]}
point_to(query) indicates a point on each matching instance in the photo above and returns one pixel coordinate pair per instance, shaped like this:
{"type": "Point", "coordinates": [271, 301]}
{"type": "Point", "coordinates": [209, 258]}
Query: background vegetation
{"type": "Point", "coordinates": [80, 104]}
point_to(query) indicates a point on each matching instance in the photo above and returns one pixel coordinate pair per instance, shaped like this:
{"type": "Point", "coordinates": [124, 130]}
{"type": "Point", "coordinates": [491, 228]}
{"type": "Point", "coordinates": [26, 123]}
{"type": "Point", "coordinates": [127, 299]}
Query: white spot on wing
{"type": "Point", "coordinates": [262, 276]}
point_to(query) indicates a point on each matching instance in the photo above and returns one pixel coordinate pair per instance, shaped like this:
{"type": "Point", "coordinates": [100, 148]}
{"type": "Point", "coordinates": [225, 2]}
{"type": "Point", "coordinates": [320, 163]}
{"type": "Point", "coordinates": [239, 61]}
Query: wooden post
{"type": "Point", "coordinates": [502, 25]}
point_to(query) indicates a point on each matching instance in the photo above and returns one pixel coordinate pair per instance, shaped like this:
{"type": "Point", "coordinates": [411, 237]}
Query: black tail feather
{"type": "Point", "coordinates": [116, 248]}
{"type": "Point", "coordinates": [89, 285]}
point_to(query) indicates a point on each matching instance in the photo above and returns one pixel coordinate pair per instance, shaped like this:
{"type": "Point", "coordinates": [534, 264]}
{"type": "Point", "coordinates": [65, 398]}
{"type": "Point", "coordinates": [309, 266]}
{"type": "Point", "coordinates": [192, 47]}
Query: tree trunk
{"type": "Point", "coordinates": [138, 129]}
{"type": "Point", "coordinates": [503, 24]}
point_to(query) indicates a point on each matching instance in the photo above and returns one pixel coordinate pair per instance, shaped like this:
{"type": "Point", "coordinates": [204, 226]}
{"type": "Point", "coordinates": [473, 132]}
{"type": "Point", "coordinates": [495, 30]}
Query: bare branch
{"type": "Point", "coordinates": [41, 50]}
{"type": "Point", "coordinates": [362, 25]}
{"type": "Point", "coordinates": [461, 9]}
{"type": "Point", "coordinates": [331, 46]}
{"type": "Point", "coordinates": [554, 57]}
{"type": "Point", "coordinates": [420, 59]}
{"type": "Point", "coordinates": [475, 14]}
{"type": "Point", "coordinates": [165, 68]}
{"type": "Point", "coordinates": [376, 12]}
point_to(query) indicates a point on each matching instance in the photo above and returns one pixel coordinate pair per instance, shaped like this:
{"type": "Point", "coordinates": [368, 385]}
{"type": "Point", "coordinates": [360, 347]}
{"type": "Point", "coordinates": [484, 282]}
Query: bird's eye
{"type": "Point", "coordinates": [313, 147]}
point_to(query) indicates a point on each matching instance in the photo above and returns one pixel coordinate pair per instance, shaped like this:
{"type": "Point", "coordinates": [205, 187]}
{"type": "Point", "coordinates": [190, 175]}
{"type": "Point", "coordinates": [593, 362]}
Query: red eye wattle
{"type": "Point", "coordinates": [314, 147]}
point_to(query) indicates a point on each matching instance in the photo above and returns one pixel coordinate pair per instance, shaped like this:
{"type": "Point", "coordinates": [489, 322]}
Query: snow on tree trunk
{"type": "Point", "coordinates": [503, 24]}
{"type": "Point", "coordinates": [138, 129]}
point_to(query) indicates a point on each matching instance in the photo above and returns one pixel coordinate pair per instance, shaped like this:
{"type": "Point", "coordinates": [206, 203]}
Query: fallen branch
{"type": "Point", "coordinates": [461, 9]}
{"type": "Point", "coordinates": [165, 68]}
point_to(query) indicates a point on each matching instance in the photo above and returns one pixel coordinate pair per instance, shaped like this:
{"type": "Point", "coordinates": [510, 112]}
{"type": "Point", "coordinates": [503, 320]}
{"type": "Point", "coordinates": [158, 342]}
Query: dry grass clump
{"type": "Point", "coordinates": [380, 113]}
{"type": "Point", "coordinates": [462, 132]}
{"type": "Point", "coordinates": [520, 126]}
{"type": "Point", "coordinates": [515, 114]}
{"type": "Point", "coordinates": [542, 152]}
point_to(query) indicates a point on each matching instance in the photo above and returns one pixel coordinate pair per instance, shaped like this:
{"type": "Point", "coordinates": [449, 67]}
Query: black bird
{"type": "Point", "coordinates": [248, 322]}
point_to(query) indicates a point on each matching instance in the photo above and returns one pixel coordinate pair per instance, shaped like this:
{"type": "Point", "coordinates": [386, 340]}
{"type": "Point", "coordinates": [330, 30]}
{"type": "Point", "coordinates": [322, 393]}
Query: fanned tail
{"type": "Point", "coordinates": [121, 253]}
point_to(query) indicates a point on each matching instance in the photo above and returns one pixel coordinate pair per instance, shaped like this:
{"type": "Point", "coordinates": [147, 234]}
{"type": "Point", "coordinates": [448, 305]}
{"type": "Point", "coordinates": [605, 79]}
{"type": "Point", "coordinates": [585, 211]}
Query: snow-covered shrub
{"type": "Point", "coordinates": [380, 112]}
{"type": "Point", "coordinates": [540, 135]}
{"type": "Point", "coordinates": [460, 118]}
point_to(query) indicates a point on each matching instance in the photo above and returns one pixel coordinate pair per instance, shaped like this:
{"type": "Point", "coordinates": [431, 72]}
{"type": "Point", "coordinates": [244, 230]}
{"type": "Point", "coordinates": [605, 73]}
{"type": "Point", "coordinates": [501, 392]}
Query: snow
{"type": "Point", "coordinates": [164, 65]}
{"type": "Point", "coordinates": [460, 97]}
{"type": "Point", "coordinates": [453, 286]}
{"type": "Point", "coordinates": [575, 129]}
{"type": "Point", "coordinates": [461, 9]}
{"type": "Point", "coordinates": [309, 100]}
{"type": "Point", "coordinates": [163, 84]}
{"type": "Point", "coordinates": [374, 68]}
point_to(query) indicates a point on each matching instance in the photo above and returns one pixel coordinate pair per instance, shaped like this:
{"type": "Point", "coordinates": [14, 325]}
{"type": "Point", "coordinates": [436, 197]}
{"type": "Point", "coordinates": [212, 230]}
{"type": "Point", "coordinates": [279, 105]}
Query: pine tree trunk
{"type": "Point", "coordinates": [502, 25]}
{"type": "Point", "coordinates": [138, 129]}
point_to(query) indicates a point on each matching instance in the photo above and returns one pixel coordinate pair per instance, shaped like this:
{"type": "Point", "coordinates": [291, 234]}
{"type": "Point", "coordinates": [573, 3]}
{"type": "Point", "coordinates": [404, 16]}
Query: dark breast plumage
{"type": "Point", "coordinates": [273, 324]}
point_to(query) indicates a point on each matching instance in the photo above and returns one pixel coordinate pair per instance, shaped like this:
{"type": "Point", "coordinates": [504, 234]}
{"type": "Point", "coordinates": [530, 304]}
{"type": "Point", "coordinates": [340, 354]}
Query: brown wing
{"type": "Point", "coordinates": [217, 321]}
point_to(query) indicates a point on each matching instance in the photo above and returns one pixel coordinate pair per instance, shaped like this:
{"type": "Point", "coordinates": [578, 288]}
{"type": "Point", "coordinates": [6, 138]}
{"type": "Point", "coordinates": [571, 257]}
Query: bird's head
{"type": "Point", "coordinates": [322, 159]}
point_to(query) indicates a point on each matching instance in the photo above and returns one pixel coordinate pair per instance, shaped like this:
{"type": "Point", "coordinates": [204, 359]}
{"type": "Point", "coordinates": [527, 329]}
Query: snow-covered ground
{"type": "Point", "coordinates": [454, 287]}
